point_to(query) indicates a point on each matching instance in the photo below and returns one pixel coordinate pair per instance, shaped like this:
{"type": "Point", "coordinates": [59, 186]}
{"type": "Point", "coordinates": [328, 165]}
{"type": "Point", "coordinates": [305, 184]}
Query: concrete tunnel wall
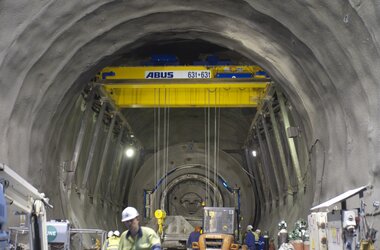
{"type": "Point", "coordinates": [325, 56]}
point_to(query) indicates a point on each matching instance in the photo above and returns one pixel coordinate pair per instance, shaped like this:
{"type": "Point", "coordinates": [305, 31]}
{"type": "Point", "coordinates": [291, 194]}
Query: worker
{"type": "Point", "coordinates": [112, 242]}
{"type": "Point", "coordinates": [257, 234]}
{"type": "Point", "coordinates": [249, 228]}
{"type": "Point", "coordinates": [137, 237]}
{"type": "Point", "coordinates": [194, 236]}
{"type": "Point", "coordinates": [109, 234]}
{"type": "Point", "coordinates": [260, 243]}
{"type": "Point", "coordinates": [250, 238]}
{"type": "Point", "coordinates": [266, 240]}
{"type": "Point", "coordinates": [271, 245]}
{"type": "Point", "coordinates": [282, 236]}
{"type": "Point", "coordinates": [116, 234]}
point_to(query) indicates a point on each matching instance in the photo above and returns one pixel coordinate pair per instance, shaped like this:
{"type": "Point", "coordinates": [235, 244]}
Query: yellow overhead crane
{"type": "Point", "coordinates": [185, 86]}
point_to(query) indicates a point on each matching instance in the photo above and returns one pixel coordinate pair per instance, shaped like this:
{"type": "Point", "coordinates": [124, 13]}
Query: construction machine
{"type": "Point", "coordinates": [20, 196]}
{"type": "Point", "coordinates": [218, 229]}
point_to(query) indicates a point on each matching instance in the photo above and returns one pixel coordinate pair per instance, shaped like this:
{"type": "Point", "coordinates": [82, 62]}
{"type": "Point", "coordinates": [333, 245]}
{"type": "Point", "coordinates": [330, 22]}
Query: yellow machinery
{"type": "Point", "coordinates": [217, 241]}
{"type": "Point", "coordinates": [219, 224]}
{"type": "Point", "coordinates": [181, 72]}
{"type": "Point", "coordinates": [185, 86]}
{"type": "Point", "coordinates": [160, 215]}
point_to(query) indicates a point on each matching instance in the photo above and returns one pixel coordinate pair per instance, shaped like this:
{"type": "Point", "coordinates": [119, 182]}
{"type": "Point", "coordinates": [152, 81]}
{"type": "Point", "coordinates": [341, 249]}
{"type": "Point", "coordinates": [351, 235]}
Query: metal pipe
{"type": "Point", "coordinates": [272, 156]}
{"type": "Point", "coordinates": [93, 144]}
{"type": "Point", "coordinates": [280, 148]}
{"type": "Point", "coordinates": [79, 140]}
{"type": "Point", "coordinates": [292, 146]}
{"type": "Point", "coordinates": [269, 184]}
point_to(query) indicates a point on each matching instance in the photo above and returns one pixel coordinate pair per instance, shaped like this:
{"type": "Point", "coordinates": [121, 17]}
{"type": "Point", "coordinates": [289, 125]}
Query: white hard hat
{"type": "Point", "coordinates": [249, 228]}
{"type": "Point", "coordinates": [129, 213]}
{"type": "Point", "coordinates": [110, 234]}
{"type": "Point", "coordinates": [117, 233]}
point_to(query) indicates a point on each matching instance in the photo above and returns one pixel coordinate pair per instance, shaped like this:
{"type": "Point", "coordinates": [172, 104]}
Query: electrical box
{"type": "Point", "coordinates": [349, 221]}
{"type": "Point", "coordinates": [335, 230]}
{"type": "Point", "coordinates": [58, 232]}
{"type": "Point", "coordinates": [219, 220]}
{"type": "Point", "coordinates": [317, 226]}
{"type": "Point", "coordinates": [341, 229]}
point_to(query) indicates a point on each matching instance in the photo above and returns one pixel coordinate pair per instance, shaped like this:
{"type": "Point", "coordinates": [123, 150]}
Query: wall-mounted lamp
{"type": "Point", "coordinates": [130, 152]}
{"type": "Point", "coordinates": [254, 153]}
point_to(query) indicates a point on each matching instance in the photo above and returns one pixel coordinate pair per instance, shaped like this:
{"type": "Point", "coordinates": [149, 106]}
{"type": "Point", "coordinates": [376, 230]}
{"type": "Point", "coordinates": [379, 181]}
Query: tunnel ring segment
{"type": "Point", "coordinates": [185, 177]}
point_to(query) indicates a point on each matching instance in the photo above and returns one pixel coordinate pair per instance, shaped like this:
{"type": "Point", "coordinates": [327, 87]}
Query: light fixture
{"type": "Point", "coordinates": [130, 152]}
{"type": "Point", "coordinates": [254, 153]}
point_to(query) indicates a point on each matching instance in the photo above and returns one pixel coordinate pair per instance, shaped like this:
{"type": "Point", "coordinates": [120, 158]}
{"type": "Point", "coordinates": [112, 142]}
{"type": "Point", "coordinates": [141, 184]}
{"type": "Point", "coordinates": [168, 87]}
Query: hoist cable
{"type": "Point", "coordinates": [205, 153]}
{"type": "Point", "coordinates": [155, 140]}
{"type": "Point", "coordinates": [208, 148]}
{"type": "Point", "coordinates": [218, 154]}
{"type": "Point", "coordinates": [158, 153]}
{"type": "Point", "coordinates": [167, 146]}
{"type": "Point", "coordinates": [164, 144]}
{"type": "Point", "coordinates": [215, 152]}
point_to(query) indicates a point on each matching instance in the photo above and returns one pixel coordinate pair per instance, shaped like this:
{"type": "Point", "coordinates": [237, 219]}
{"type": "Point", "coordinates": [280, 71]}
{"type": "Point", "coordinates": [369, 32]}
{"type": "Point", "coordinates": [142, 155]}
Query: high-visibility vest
{"type": "Point", "coordinates": [367, 245]}
{"type": "Point", "coordinates": [113, 243]}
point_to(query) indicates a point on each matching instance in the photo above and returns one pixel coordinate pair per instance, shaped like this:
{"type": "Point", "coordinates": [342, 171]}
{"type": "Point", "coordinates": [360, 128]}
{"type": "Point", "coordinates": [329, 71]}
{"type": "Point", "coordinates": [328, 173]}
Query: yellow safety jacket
{"type": "Point", "coordinates": [146, 239]}
{"type": "Point", "coordinates": [367, 245]}
{"type": "Point", "coordinates": [112, 243]}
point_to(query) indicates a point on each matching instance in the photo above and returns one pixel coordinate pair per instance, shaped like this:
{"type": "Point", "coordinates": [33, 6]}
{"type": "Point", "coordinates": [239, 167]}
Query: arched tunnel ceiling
{"type": "Point", "coordinates": [323, 55]}
{"type": "Point", "coordinates": [187, 51]}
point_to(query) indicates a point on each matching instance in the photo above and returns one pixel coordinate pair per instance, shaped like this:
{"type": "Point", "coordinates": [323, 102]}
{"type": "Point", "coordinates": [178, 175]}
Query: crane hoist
{"type": "Point", "coordinates": [185, 86]}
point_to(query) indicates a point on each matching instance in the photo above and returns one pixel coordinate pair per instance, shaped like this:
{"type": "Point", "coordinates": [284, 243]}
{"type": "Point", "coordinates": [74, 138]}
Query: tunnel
{"type": "Point", "coordinates": [322, 57]}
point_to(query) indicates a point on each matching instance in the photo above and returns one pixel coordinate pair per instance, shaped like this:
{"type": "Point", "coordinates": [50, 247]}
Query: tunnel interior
{"type": "Point", "coordinates": [186, 158]}
{"type": "Point", "coordinates": [323, 59]}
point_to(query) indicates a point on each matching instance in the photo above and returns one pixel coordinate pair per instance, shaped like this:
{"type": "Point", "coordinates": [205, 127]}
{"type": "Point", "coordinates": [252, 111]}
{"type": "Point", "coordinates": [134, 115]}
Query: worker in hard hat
{"type": "Point", "coordinates": [137, 237]}
{"type": "Point", "coordinates": [260, 241]}
{"type": "Point", "coordinates": [257, 234]}
{"type": "Point", "coordinates": [112, 242]}
{"type": "Point", "coordinates": [194, 236]}
{"type": "Point", "coordinates": [249, 228]}
{"type": "Point", "coordinates": [250, 238]}
{"type": "Point", "coordinates": [116, 234]}
{"type": "Point", "coordinates": [282, 236]}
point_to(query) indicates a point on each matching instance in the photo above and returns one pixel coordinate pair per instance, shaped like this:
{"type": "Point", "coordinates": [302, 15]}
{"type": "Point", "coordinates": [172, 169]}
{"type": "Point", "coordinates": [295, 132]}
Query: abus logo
{"type": "Point", "coordinates": [160, 75]}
